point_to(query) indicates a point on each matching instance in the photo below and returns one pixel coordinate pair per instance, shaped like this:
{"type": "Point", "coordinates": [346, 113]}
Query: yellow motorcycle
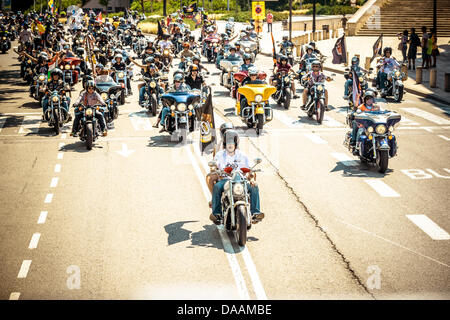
{"type": "Point", "coordinates": [252, 105]}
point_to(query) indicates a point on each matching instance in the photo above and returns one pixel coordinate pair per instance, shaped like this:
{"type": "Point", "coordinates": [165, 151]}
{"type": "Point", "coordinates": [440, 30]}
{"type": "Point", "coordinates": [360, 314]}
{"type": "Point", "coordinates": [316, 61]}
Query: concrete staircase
{"type": "Point", "coordinates": [398, 15]}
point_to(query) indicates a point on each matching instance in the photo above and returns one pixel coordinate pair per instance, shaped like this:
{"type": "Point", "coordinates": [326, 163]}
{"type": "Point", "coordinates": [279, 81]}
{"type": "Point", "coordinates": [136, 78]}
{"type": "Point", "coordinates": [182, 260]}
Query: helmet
{"type": "Point", "coordinates": [149, 60]}
{"type": "Point", "coordinates": [122, 20]}
{"type": "Point", "coordinates": [186, 45]}
{"type": "Point", "coordinates": [316, 63]}
{"type": "Point", "coordinates": [369, 94]}
{"type": "Point", "coordinates": [386, 50]}
{"type": "Point", "coordinates": [196, 58]}
{"type": "Point", "coordinates": [355, 61]}
{"type": "Point", "coordinates": [43, 55]}
{"type": "Point", "coordinates": [177, 77]}
{"type": "Point", "coordinates": [252, 71]}
{"type": "Point", "coordinates": [237, 44]}
{"type": "Point", "coordinates": [312, 44]}
{"type": "Point", "coordinates": [96, 49]}
{"type": "Point", "coordinates": [118, 56]}
{"type": "Point", "coordinates": [225, 38]}
{"type": "Point", "coordinates": [247, 56]}
{"type": "Point", "coordinates": [152, 66]}
{"type": "Point", "coordinates": [285, 38]}
{"type": "Point", "coordinates": [56, 71]}
{"type": "Point", "coordinates": [90, 83]}
{"type": "Point", "coordinates": [283, 58]}
{"type": "Point", "coordinates": [194, 67]}
{"type": "Point", "coordinates": [100, 66]}
{"type": "Point", "coordinates": [230, 136]}
{"type": "Point", "coordinates": [309, 47]}
{"type": "Point", "coordinates": [224, 127]}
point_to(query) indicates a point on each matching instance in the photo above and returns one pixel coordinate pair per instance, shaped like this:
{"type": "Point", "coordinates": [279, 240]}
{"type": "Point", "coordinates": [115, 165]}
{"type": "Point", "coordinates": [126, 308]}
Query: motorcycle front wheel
{"type": "Point", "coordinates": [287, 100]}
{"type": "Point", "coordinates": [382, 160]}
{"type": "Point", "coordinates": [259, 123]}
{"type": "Point", "coordinates": [320, 110]}
{"type": "Point", "coordinates": [89, 136]}
{"type": "Point", "coordinates": [56, 122]}
{"type": "Point", "coordinates": [242, 225]}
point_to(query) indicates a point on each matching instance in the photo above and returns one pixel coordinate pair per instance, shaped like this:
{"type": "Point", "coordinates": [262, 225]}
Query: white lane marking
{"type": "Point", "coordinates": [42, 217]}
{"type": "Point", "coordinates": [429, 226]}
{"type": "Point", "coordinates": [57, 168]}
{"type": "Point", "coordinates": [444, 137]}
{"type": "Point", "coordinates": [60, 155]}
{"type": "Point", "coordinates": [288, 121]}
{"type": "Point", "coordinates": [34, 241]}
{"type": "Point", "coordinates": [14, 296]}
{"type": "Point", "coordinates": [2, 123]}
{"type": "Point", "coordinates": [64, 135]}
{"type": "Point", "coordinates": [54, 182]}
{"type": "Point", "coordinates": [395, 244]}
{"type": "Point", "coordinates": [382, 188]}
{"type": "Point", "coordinates": [408, 122]}
{"type": "Point", "coordinates": [48, 198]}
{"type": "Point", "coordinates": [30, 124]}
{"type": "Point", "coordinates": [61, 145]}
{"type": "Point", "coordinates": [345, 159]}
{"type": "Point", "coordinates": [140, 121]}
{"type": "Point", "coordinates": [427, 115]}
{"type": "Point", "coordinates": [330, 122]}
{"type": "Point", "coordinates": [315, 138]}
{"type": "Point", "coordinates": [125, 152]}
{"type": "Point", "coordinates": [228, 248]}
{"type": "Point", "coordinates": [24, 269]}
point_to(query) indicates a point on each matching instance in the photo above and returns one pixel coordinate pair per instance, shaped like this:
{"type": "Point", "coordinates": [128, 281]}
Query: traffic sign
{"type": "Point", "coordinates": [258, 10]}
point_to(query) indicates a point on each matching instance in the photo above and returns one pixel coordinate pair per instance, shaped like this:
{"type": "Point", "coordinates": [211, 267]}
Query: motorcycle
{"type": "Point", "coordinates": [184, 65]}
{"type": "Point", "coordinates": [121, 78]}
{"type": "Point", "coordinates": [229, 68]}
{"type": "Point", "coordinates": [181, 116]}
{"type": "Point", "coordinates": [307, 64]}
{"type": "Point", "coordinates": [90, 127]}
{"type": "Point", "coordinates": [315, 105]}
{"type": "Point", "coordinates": [166, 57]}
{"type": "Point", "coordinates": [5, 44]}
{"type": "Point", "coordinates": [68, 66]}
{"type": "Point", "coordinates": [282, 82]}
{"type": "Point", "coordinates": [377, 143]}
{"type": "Point", "coordinates": [140, 46]}
{"type": "Point", "coordinates": [394, 85]}
{"type": "Point", "coordinates": [28, 70]}
{"type": "Point", "coordinates": [288, 52]}
{"type": "Point", "coordinates": [41, 85]}
{"type": "Point", "coordinates": [236, 215]}
{"type": "Point", "coordinates": [256, 111]}
{"type": "Point", "coordinates": [229, 27]}
{"type": "Point", "coordinates": [151, 95]}
{"type": "Point", "coordinates": [110, 93]}
{"type": "Point", "coordinates": [362, 77]}
{"type": "Point", "coordinates": [56, 115]}
{"type": "Point", "coordinates": [249, 47]}
{"type": "Point", "coordinates": [211, 48]}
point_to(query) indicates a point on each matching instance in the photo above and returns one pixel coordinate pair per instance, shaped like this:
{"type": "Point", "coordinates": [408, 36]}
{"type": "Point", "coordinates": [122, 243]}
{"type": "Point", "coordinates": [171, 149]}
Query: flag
{"type": "Point", "coordinates": [207, 126]}
{"type": "Point", "coordinates": [339, 51]}
{"type": "Point", "coordinates": [160, 30]}
{"type": "Point", "coordinates": [274, 54]}
{"type": "Point", "coordinates": [377, 47]}
{"type": "Point", "coordinates": [50, 5]}
{"type": "Point", "coordinates": [197, 18]}
{"type": "Point", "coordinates": [356, 94]}
{"type": "Point", "coordinates": [99, 17]}
{"type": "Point", "coordinates": [302, 53]}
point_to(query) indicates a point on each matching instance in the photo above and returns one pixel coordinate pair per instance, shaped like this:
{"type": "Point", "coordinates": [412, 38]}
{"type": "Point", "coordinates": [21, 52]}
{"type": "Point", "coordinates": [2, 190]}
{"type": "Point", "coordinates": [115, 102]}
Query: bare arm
{"type": "Point", "coordinates": [132, 60]}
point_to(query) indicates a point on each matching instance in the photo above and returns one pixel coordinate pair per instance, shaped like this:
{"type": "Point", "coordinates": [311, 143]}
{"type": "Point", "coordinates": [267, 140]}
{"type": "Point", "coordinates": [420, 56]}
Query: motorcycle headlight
{"type": "Point", "coordinates": [152, 84]}
{"type": "Point", "coordinates": [190, 107]}
{"type": "Point", "coordinates": [287, 79]}
{"type": "Point", "coordinates": [370, 129]}
{"type": "Point", "coordinates": [238, 189]}
{"type": "Point", "coordinates": [41, 77]}
{"type": "Point", "coordinates": [67, 67]}
{"type": "Point", "coordinates": [111, 96]}
{"type": "Point", "coordinates": [55, 99]}
{"type": "Point", "coordinates": [73, 67]}
{"type": "Point", "coordinates": [181, 107]}
{"type": "Point", "coordinates": [361, 79]}
{"type": "Point", "coordinates": [215, 44]}
{"type": "Point", "coordinates": [89, 112]}
{"type": "Point", "coordinates": [166, 52]}
{"type": "Point", "coordinates": [104, 95]}
{"type": "Point", "coordinates": [380, 129]}
{"type": "Point", "coordinates": [258, 98]}
{"type": "Point", "coordinates": [247, 49]}
{"type": "Point", "coordinates": [319, 88]}
{"type": "Point", "coordinates": [4, 38]}
{"type": "Point", "coordinates": [391, 128]}
{"type": "Point", "coordinates": [397, 73]}
{"type": "Point", "coordinates": [29, 61]}
{"type": "Point", "coordinates": [120, 75]}
{"type": "Point", "coordinates": [289, 49]}
{"type": "Point", "coordinates": [303, 73]}
{"type": "Point", "coordinates": [235, 69]}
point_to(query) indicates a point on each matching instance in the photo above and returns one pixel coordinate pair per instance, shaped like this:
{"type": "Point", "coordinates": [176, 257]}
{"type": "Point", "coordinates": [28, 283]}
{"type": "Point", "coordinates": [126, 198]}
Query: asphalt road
{"type": "Point", "coordinates": [129, 219]}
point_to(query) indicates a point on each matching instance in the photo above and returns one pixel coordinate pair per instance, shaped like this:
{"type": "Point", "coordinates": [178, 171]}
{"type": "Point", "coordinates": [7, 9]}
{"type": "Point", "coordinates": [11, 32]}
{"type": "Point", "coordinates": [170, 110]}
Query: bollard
{"type": "Point", "coordinates": [433, 73]}
{"type": "Point", "coordinates": [367, 65]}
{"type": "Point", "coordinates": [320, 35]}
{"type": "Point", "coordinates": [418, 75]}
{"type": "Point", "coordinates": [405, 71]}
{"type": "Point", "coordinates": [447, 82]}
{"type": "Point", "coordinates": [346, 63]}
{"type": "Point", "coordinates": [357, 55]}
{"type": "Point", "coordinates": [298, 50]}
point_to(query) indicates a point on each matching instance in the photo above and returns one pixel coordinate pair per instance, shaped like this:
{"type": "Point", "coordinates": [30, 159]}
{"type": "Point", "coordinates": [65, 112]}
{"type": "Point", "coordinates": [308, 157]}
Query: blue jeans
{"type": "Point", "coordinates": [142, 92]}
{"type": "Point", "coordinates": [356, 133]}
{"type": "Point", "coordinates": [164, 113]}
{"type": "Point", "coordinates": [45, 104]}
{"type": "Point", "coordinates": [217, 196]}
{"type": "Point", "coordinates": [348, 84]}
{"type": "Point", "coordinates": [382, 77]}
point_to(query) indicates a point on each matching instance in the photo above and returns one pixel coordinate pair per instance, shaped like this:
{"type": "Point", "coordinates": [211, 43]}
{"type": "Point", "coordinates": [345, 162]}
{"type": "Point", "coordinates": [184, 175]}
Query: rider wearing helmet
{"type": "Point", "coordinates": [355, 66]}
{"type": "Point", "coordinates": [91, 98]}
{"type": "Point", "coordinates": [247, 62]}
{"type": "Point", "coordinates": [55, 83]}
{"type": "Point", "coordinates": [284, 66]}
{"type": "Point", "coordinates": [196, 60]}
{"type": "Point", "coordinates": [285, 43]}
{"type": "Point", "coordinates": [315, 50]}
{"type": "Point", "coordinates": [386, 65]}
{"type": "Point", "coordinates": [119, 65]}
{"type": "Point", "coordinates": [232, 156]}
{"type": "Point", "coordinates": [315, 75]}
{"type": "Point", "coordinates": [368, 106]}
{"type": "Point", "coordinates": [193, 79]}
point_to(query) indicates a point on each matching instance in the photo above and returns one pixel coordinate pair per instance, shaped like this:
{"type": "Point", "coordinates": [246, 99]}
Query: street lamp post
{"type": "Point", "coordinates": [314, 17]}
{"type": "Point", "coordinates": [435, 16]}
{"type": "Point", "coordinates": [164, 8]}
{"type": "Point", "coordinates": [290, 20]}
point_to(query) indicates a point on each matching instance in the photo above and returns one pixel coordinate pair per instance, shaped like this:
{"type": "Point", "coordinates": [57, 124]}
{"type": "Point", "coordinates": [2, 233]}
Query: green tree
{"type": "Point", "coordinates": [104, 3]}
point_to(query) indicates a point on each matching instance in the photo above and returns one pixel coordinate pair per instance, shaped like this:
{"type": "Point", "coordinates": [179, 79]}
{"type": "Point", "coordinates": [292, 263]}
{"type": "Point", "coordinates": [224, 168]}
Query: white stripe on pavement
{"type": "Point", "coordinates": [426, 115]}
{"type": "Point", "coordinates": [57, 168]}
{"type": "Point", "coordinates": [48, 198]}
{"type": "Point", "coordinates": [428, 226]}
{"type": "Point", "coordinates": [444, 137]}
{"type": "Point", "coordinates": [54, 182]}
{"type": "Point", "coordinates": [408, 122]}
{"type": "Point", "coordinates": [2, 123]}
{"type": "Point", "coordinates": [30, 124]}
{"type": "Point", "coordinates": [34, 241]}
{"type": "Point", "coordinates": [42, 217]}
{"type": "Point", "coordinates": [60, 155]}
{"type": "Point", "coordinates": [14, 296]}
{"type": "Point", "coordinates": [382, 188]}
{"type": "Point", "coordinates": [345, 159]}
{"type": "Point", "coordinates": [24, 269]}
{"type": "Point", "coordinates": [315, 138]}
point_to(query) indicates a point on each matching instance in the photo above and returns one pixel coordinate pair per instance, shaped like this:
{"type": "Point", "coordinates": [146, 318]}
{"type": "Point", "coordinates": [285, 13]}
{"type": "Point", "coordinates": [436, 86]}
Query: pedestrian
{"type": "Point", "coordinates": [269, 20]}
{"type": "Point", "coordinates": [424, 45]}
{"type": "Point", "coordinates": [403, 45]}
{"type": "Point", "coordinates": [414, 42]}
{"type": "Point", "coordinates": [434, 47]}
{"type": "Point", "coordinates": [344, 21]}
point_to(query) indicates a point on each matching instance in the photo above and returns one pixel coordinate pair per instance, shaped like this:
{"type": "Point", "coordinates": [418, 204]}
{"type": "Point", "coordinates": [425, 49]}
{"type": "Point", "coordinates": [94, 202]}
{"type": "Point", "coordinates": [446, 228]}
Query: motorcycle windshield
{"type": "Point", "coordinates": [180, 97]}
{"type": "Point", "coordinates": [378, 117]}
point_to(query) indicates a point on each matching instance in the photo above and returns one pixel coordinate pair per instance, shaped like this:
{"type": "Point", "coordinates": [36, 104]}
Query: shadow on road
{"type": "Point", "coordinates": [359, 170]}
{"type": "Point", "coordinates": [208, 237]}
{"type": "Point", "coordinates": [165, 141]}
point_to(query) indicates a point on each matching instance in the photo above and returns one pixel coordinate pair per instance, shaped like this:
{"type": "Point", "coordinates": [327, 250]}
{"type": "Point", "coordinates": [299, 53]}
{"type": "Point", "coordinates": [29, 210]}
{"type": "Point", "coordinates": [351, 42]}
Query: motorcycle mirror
{"type": "Point", "coordinates": [212, 164]}
{"type": "Point", "coordinates": [258, 160]}
{"type": "Point", "coordinates": [370, 69]}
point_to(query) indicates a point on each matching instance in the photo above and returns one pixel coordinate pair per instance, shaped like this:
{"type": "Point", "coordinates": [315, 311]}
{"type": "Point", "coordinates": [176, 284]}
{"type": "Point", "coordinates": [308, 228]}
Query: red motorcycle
{"type": "Point", "coordinates": [211, 48]}
{"type": "Point", "coordinates": [70, 69]}
{"type": "Point", "coordinates": [239, 77]}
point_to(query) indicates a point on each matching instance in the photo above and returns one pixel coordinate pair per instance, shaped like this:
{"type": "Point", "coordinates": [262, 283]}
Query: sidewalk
{"type": "Point", "coordinates": [363, 46]}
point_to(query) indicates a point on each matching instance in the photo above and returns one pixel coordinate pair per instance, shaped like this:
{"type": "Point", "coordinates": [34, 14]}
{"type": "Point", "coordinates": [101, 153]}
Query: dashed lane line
{"type": "Point", "coordinates": [428, 226]}
{"type": "Point", "coordinates": [23, 272]}
{"type": "Point", "coordinates": [42, 217]}
{"type": "Point", "coordinates": [48, 198]}
{"type": "Point", "coordinates": [34, 241]}
{"type": "Point", "coordinates": [382, 188]}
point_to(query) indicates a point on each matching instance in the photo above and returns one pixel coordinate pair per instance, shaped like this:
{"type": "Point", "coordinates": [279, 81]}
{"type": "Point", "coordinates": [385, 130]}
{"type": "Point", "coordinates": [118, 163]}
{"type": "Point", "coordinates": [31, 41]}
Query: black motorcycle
{"type": "Point", "coordinates": [90, 127]}
{"type": "Point", "coordinates": [151, 95]}
{"type": "Point", "coordinates": [282, 82]}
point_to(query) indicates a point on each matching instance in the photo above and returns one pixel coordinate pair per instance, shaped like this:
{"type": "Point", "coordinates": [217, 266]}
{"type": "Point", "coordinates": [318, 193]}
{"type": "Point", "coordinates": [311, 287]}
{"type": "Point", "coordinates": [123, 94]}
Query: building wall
{"type": "Point", "coordinates": [95, 4]}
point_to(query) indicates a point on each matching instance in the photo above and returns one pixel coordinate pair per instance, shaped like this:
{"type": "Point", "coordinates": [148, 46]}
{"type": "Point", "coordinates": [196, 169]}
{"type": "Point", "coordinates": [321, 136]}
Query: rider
{"type": "Point", "coordinates": [247, 63]}
{"type": "Point", "coordinates": [386, 65]}
{"type": "Point", "coordinates": [89, 98]}
{"type": "Point", "coordinates": [315, 50]}
{"type": "Point", "coordinates": [231, 156]}
{"type": "Point", "coordinates": [368, 106]}
{"type": "Point", "coordinates": [196, 60]}
{"type": "Point", "coordinates": [283, 65]}
{"type": "Point", "coordinates": [285, 43]}
{"type": "Point", "coordinates": [119, 65]}
{"type": "Point", "coordinates": [185, 53]}
{"type": "Point", "coordinates": [178, 86]}
{"type": "Point", "coordinates": [314, 76]}
{"type": "Point", "coordinates": [151, 73]}
{"type": "Point", "coordinates": [57, 84]}
{"type": "Point", "coordinates": [307, 56]}
{"type": "Point", "coordinates": [194, 80]}
{"type": "Point", "coordinates": [355, 66]}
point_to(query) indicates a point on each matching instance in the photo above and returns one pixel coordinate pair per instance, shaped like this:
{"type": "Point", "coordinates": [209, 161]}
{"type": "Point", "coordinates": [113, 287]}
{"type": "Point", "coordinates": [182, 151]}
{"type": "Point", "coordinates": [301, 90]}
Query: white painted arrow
{"type": "Point", "coordinates": [125, 152]}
